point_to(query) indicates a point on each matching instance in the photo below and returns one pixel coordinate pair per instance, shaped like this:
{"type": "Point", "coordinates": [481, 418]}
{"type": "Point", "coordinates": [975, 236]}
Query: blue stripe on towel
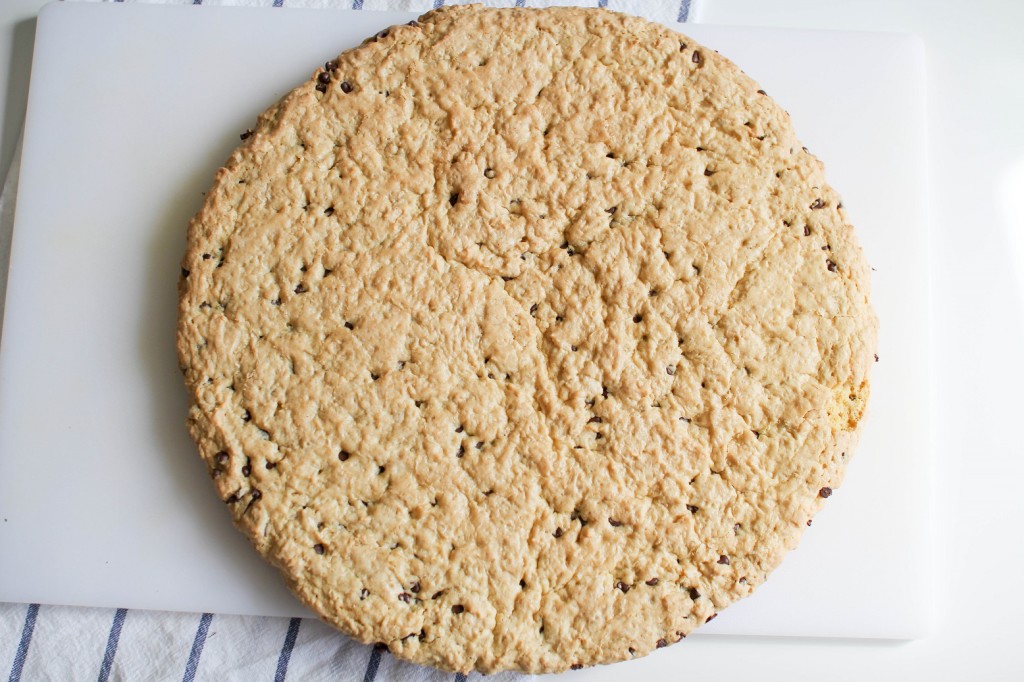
{"type": "Point", "coordinates": [357, 4]}
{"type": "Point", "coordinates": [684, 10]}
{"type": "Point", "coordinates": [112, 639]}
{"type": "Point", "coordinates": [286, 650]}
{"type": "Point", "coordinates": [197, 648]}
{"type": "Point", "coordinates": [371, 667]}
{"type": "Point", "coordinates": [26, 639]}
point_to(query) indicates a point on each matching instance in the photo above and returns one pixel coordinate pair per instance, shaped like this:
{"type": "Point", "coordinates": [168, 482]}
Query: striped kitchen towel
{"type": "Point", "coordinates": [43, 642]}
{"type": "Point", "coordinates": [656, 10]}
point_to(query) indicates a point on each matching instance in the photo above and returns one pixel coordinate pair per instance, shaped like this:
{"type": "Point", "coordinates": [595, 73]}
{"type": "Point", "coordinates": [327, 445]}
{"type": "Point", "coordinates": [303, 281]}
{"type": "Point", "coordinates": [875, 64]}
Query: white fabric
{"type": "Point", "coordinates": [44, 642]}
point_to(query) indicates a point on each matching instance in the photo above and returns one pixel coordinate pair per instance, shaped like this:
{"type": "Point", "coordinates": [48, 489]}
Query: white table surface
{"type": "Point", "coordinates": [976, 98]}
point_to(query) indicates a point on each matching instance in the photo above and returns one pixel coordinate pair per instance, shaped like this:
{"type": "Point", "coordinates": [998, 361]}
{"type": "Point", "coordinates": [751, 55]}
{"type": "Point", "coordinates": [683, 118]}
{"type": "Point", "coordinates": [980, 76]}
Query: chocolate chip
{"type": "Point", "coordinates": [413, 23]}
{"type": "Point", "coordinates": [232, 498]}
{"type": "Point", "coordinates": [808, 522]}
{"type": "Point", "coordinates": [453, 199]}
{"type": "Point", "coordinates": [876, 357]}
{"type": "Point", "coordinates": [697, 59]}
{"type": "Point", "coordinates": [479, 445]}
{"type": "Point", "coordinates": [276, 301]}
{"type": "Point", "coordinates": [533, 309]}
{"type": "Point", "coordinates": [736, 529]}
{"type": "Point", "coordinates": [344, 455]}
{"type": "Point", "coordinates": [438, 594]}
{"type": "Point", "coordinates": [380, 469]}
{"type": "Point", "coordinates": [692, 508]}
{"type": "Point", "coordinates": [320, 87]}
{"type": "Point", "coordinates": [185, 273]}
{"type": "Point", "coordinates": [458, 608]}
{"type": "Point", "coordinates": [559, 318]}
{"type": "Point", "coordinates": [331, 65]}
{"type": "Point", "coordinates": [522, 583]}
{"type": "Point", "coordinates": [661, 644]}
{"type": "Point", "coordinates": [246, 416]}
{"type": "Point", "coordinates": [622, 586]}
{"type": "Point", "coordinates": [598, 436]}
{"type": "Point", "coordinates": [825, 492]}
{"type": "Point", "coordinates": [374, 376]}
{"type": "Point", "coordinates": [761, 92]}
{"type": "Point", "coordinates": [558, 532]}
{"type": "Point", "coordinates": [724, 560]}
{"type": "Point", "coordinates": [415, 587]}
{"type": "Point", "coordinates": [329, 210]}
{"type": "Point", "coordinates": [638, 318]}
{"type": "Point", "coordinates": [319, 548]}
{"type": "Point", "coordinates": [301, 289]}
{"type": "Point", "coordinates": [246, 470]}
{"type": "Point", "coordinates": [256, 494]}
{"type": "Point", "coordinates": [349, 325]}
{"type": "Point", "coordinates": [383, 34]}
{"type": "Point", "coordinates": [670, 370]}
{"type": "Point", "coordinates": [807, 230]}
{"type": "Point", "coordinates": [604, 392]}
{"type": "Point", "coordinates": [324, 77]}
{"type": "Point", "coordinates": [595, 420]}
{"type": "Point", "coordinates": [460, 428]}
{"type": "Point", "coordinates": [652, 582]}
{"type": "Point", "coordinates": [614, 523]}
{"type": "Point", "coordinates": [271, 466]}
{"type": "Point", "coordinates": [831, 265]}
{"type": "Point", "coordinates": [611, 210]}
{"type": "Point", "coordinates": [694, 594]}
{"type": "Point", "coordinates": [818, 203]}
{"type": "Point", "coordinates": [682, 46]}
{"type": "Point", "coordinates": [461, 451]}
{"type": "Point", "coordinates": [246, 135]}
{"type": "Point", "coordinates": [363, 594]}
{"type": "Point", "coordinates": [489, 173]}
{"type": "Point", "coordinates": [221, 457]}
{"type": "Point", "coordinates": [576, 666]}
{"type": "Point", "coordinates": [346, 87]}
{"type": "Point", "coordinates": [405, 596]}
{"type": "Point", "coordinates": [711, 617]}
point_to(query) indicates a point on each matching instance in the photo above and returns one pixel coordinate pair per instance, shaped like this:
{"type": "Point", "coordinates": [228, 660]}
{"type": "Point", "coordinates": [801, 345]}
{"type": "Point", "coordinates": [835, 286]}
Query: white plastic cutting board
{"type": "Point", "coordinates": [103, 500]}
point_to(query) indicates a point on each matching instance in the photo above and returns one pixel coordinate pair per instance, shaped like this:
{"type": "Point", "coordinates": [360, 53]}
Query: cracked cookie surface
{"type": "Point", "coordinates": [524, 339]}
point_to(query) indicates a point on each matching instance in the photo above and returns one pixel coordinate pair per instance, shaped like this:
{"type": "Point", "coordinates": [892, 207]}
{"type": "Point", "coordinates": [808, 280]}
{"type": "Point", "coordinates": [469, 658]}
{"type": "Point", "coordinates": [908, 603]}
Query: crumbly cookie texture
{"type": "Point", "coordinates": [524, 339]}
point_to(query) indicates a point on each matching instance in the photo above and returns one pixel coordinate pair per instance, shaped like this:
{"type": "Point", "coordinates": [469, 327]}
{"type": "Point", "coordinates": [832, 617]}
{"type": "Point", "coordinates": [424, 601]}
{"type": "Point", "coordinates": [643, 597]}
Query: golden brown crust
{"type": "Point", "coordinates": [524, 339]}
